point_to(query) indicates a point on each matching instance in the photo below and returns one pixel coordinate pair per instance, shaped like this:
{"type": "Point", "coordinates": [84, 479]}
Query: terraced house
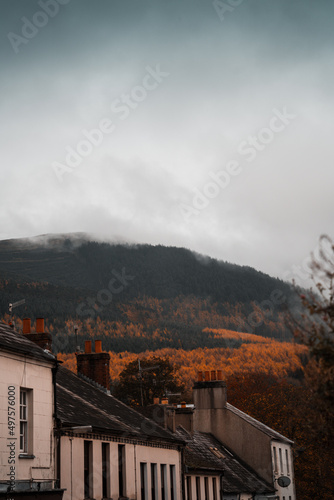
{"type": "Point", "coordinates": [27, 406]}
{"type": "Point", "coordinates": [63, 435]}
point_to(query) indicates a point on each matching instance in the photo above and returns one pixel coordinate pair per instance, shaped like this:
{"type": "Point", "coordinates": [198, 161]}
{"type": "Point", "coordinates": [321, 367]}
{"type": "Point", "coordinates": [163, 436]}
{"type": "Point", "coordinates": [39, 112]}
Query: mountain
{"type": "Point", "coordinates": [72, 276]}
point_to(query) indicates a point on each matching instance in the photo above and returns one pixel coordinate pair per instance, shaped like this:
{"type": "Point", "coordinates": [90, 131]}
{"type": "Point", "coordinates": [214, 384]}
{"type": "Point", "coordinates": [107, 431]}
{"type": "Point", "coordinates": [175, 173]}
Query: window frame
{"type": "Point", "coordinates": [26, 421]}
{"type": "Point", "coordinates": [287, 461]}
{"type": "Point", "coordinates": [154, 481]}
{"type": "Point", "coordinates": [24, 408]}
{"type": "Point", "coordinates": [121, 470]}
{"type": "Point", "coordinates": [143, 481]}
{"type": "Point", "coordinates": [275, 459]}
{"type": "Point", "coordinates": [214, 488]}
{"type": "Point", "coordinates": [163, 481]}
{"type": "Point", "coordinates": [88, 469]}
{"type": "Point", "coordinates": [198, 488]}
{"type": "Point", "coordinates": [189, 488]}
{"type": "Point", "coordinates": [105, 450]}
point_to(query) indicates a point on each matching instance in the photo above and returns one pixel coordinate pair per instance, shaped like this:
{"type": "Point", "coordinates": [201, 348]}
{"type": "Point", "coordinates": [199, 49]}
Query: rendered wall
{"type": "Point", "coordinates": [72, 469]}
{"type": "Point", "coordinates": [283, 469]}
{"type": "Point", "coordinates": [212, 415]}
{"type": "Point", "coordinates": [20, 372]}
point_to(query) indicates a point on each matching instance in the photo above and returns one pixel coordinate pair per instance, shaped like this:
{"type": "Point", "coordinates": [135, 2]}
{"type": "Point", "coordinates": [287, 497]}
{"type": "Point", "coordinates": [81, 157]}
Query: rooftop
{"type": "Point", "coordinates": [80, 403]}
{"type": "Point", "coordinates": [17, 343]}
{"type": "Point", "coordinates": [204, 453]}
{"type": "Point", "coordinates": [259, 425]}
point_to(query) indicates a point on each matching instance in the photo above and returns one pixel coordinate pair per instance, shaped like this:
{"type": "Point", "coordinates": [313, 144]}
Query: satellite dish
{"type": "Point", "coordinates": [284, 481]}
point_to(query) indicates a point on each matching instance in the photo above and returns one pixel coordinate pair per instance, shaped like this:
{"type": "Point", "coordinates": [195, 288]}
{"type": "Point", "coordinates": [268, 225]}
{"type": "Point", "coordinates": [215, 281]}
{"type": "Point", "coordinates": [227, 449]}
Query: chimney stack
{"type": "Point", "coordinates": [40, 337]}
{"type": "Point", "coordinates": [26, 326]}
{"type": "Point", "coordinates": [184, 415]}
{"type": "Point", "coordinates": [39, 325]}
{"type": "Point", "coordinates": [95, 365]}
{"type": "Point", "coordinates": [209, 399]}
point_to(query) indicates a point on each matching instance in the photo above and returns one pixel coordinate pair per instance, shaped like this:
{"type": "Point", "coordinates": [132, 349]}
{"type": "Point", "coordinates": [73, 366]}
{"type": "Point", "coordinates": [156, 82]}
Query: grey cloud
{"type": "Point", "coordinates": [225, 79]}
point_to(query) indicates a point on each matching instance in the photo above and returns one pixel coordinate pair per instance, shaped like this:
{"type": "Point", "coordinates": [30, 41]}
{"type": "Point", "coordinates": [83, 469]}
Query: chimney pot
{"type": "Point", "coordinates": [200, 376]}
{"type": "Point", "coordinates": [98, 346]}
{"type": "Point", "coordinates": [207, 376]}
{"type": "Point", "coordinates": [219, 374]}
{"type": "Point", "coordinates": [39, 325]}
{"type": "Point", "coordinates": [26, 326]}
{"type": "Point", "coordinates": [213, 375]}
{"type": "Point", "coordinates": [88, 346]}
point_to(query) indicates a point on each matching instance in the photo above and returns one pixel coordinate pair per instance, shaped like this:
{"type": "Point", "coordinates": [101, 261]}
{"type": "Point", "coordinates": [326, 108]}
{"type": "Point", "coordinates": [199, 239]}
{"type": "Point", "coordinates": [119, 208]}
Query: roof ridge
{"type": "Point", "coordinates": [121, 406]}
{"type": "Point", "coordinates": [260, 425]}
{"type": "Point", "coordinates": [95, 408]}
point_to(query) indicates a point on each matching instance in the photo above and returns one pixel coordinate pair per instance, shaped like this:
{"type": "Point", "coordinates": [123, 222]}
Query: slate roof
{"type": "Point", "coordinates": [80, 403]}
{"type": "Point", "coordinates": [259, 425]}
{"type": "Point", "coordinates": [13, 341]}
{"type": "Point", "coordinates": [204, 453]}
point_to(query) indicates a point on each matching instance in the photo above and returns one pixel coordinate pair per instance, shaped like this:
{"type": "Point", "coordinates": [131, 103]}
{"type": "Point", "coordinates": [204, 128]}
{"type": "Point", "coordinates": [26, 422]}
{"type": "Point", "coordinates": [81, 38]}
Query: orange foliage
{"type": "Point", "coordinates": [279, 359]}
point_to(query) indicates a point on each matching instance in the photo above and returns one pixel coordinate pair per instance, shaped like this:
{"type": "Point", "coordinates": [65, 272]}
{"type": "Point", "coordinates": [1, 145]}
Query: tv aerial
{"type": "Point", "coordinates": [140, 377]}
{"type": "Point", "coordinates": [11, 306]}
{"type": "Point", "coordinates": [167, 394]}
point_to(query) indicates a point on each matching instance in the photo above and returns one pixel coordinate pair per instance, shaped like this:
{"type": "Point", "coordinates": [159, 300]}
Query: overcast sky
{"type": "Point", "coordinates": [216, 124]}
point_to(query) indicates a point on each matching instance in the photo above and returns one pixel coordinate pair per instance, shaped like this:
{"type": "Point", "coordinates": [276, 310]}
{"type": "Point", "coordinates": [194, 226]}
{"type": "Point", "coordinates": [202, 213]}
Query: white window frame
{"type": "Point", "coordinates": [24, 420]}
{"type": "Point", "coordinates": [287, 461]}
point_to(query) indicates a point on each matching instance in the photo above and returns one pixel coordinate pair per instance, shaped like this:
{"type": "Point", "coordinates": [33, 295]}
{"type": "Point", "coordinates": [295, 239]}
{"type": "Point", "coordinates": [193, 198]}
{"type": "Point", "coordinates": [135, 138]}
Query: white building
{"type": "Point", "coordinates": [108, 450]}
{"type": "Point", "coordinates": [27, 454]}
{"type": "Point", "coordinates": [64, 436]}
{"type": "Point", "coordinates": [262, 450]}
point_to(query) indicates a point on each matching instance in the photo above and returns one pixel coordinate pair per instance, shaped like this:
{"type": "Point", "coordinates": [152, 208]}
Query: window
{"type": "Point", "coordinates": [23, 421]}
{"type": "Point", "coordinates": [206, 488]}
{"type": "Point", "coordinates": [172, 482]}
{"type": "Point", "coordinates": [143, 480]}
{"type": "Point", "coordinates": [275, 459]}
{"type": "Point", "coordinates": [105, 470]}
{"type": "Point", "coordinates": [163, 472]}
{"type": "Point", "coordinates": [189, 490]}
{"type": "Point", "coordinates": [88, 450]}
{"type": "Point", "coordinates": [26, 421]}
{"type": "Point", "coordinates": [121, 471]}
{"type": "Point", "coordinates": [154, 482]}
{"type": "Point", "coordinates": [214, 488]}
{"type": "Point", "coordinates": [198, 488]}
{"type": "Point", "coordinates": [280, 460]}
{"type": "Point", "coordinates": [287, 461]}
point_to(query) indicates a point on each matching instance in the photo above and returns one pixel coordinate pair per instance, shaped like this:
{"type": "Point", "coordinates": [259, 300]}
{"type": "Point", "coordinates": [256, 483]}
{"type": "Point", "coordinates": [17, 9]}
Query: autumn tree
{"type": "Point", "coordinates": [315, 329]}
{"type": "Point", "coordinates": [145, 379]}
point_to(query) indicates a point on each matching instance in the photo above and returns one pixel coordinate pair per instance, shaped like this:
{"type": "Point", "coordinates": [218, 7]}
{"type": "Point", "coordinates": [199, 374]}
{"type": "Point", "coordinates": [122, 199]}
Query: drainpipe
{"type": "Point", "coordinates": [57, 447]}
{"type": "Point", "coordinates": [135, 464]}
{"type": "Point", "coordinates": [71, 439]}
{"type": "Point", "coordinates": [183, 475]}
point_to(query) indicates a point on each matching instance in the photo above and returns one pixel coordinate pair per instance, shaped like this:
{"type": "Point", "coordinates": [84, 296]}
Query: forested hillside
{"type": "Point", "coordinates": [137, 297]}
{"type": "Point", "coordinates": [256, 355]}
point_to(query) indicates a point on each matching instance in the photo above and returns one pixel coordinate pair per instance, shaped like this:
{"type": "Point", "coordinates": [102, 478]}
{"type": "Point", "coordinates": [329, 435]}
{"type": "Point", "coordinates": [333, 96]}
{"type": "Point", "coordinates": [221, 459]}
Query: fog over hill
{"type": "Point", "coordinates": [71, 276]}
